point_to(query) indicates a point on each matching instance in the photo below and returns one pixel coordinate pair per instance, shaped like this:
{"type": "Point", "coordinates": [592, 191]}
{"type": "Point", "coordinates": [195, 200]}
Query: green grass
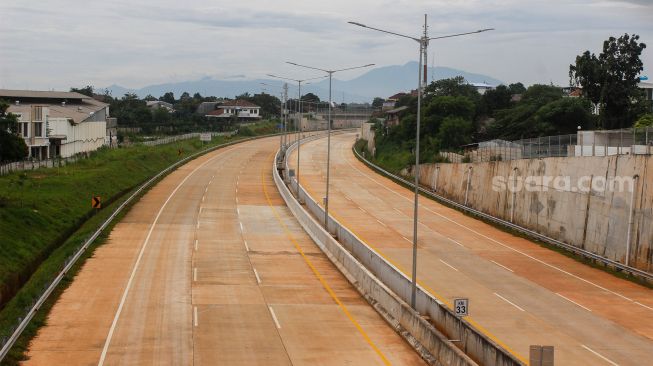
{"type": "Point", "coordinates": [259, 128]}
{"type": "Point", "coordinates": [45, 215]}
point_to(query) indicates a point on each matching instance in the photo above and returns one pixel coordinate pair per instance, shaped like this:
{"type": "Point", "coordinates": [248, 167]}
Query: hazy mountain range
{"type": "Point", "coordinates": [379, 82]}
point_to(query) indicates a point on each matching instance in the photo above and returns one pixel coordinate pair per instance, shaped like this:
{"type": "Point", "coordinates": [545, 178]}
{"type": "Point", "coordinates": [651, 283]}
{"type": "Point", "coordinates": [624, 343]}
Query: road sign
{"type": "Point", "coordinates": [461, 307]}
{"type": "Point", "coordinates": [96, 202]}
{"type": "Point", "coordinates": [205, 136]}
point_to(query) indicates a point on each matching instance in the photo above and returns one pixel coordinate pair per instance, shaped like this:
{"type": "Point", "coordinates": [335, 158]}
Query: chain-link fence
{"type": "Point", "coordinates": [637, 141]}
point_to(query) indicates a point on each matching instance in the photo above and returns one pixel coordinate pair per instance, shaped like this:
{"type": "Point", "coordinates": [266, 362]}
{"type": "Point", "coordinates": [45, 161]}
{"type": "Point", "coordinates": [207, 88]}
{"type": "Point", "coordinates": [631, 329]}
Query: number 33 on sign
{"type": "Point", "coordinates": [461, 307]}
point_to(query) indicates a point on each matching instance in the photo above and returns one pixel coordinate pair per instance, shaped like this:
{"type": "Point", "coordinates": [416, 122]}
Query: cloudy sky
{"type": "Point", "coordinates": [56, 44]}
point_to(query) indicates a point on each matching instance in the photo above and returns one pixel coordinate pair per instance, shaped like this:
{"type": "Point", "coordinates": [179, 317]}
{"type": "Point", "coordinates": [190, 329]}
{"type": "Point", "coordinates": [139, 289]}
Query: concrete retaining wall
{"type": "Point", "coordinates": [596, 221]}
{"type": "Point", "coordinates": [388, 290]}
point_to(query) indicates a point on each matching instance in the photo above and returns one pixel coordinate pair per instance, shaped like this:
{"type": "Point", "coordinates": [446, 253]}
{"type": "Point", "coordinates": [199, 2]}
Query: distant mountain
{"type": "Point", "coordinates": [379, 82]}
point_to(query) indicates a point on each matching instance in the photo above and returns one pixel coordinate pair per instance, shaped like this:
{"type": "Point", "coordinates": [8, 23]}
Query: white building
{"type": "Point", "coordinates": [156, 104]}
{"type": "Point", "coordinates": [648, 90]}
{"type": "Point", "coordinates": [243, 109]}
{"type": "Point", "coordinates": [58, 123]}
{"type": "Point", "coordinates": [482, 87]}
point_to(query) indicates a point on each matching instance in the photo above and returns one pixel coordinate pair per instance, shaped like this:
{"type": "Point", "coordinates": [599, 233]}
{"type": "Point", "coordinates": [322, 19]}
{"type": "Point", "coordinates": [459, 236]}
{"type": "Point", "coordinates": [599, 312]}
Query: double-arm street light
{"type": "Point", "coordinates": [423, 44]}
{"type": "Point", "coordinates": [299, 125]}
{"type": "Point", "coordinates": [330, 72]}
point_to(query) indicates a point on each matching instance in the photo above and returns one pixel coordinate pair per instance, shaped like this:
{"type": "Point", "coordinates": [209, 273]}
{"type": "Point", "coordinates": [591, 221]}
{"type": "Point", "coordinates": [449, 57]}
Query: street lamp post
{"type": "Point", "coordinates": [299, 125]}
{"type": "Point", "coordinates": [330, 72]}
{"type": "Point", "coordinates": [423, 44]}
{"type": "Point", "coordinates": [281, 121]}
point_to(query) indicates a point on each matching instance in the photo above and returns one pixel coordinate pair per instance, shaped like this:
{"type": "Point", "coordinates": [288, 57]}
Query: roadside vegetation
{"type": "Point", "coordinates": [46, 214]}
{"type": "Point", "coordinates": [455, 114]}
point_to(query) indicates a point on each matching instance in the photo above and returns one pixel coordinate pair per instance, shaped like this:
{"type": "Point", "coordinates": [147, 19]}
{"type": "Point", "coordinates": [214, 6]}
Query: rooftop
{"type": "Point", "coordinates": [38, 94]}
{"type": "Point", "coordinates": [238, 103]}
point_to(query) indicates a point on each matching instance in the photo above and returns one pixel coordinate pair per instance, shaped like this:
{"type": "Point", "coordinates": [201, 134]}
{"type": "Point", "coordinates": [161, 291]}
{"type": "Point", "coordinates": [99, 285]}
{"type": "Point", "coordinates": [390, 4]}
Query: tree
{"type": "Point", "coordinates": [12, 146]}
{"type": "Point", "coordinates": [378, 102]}
{"type": "Point", "coordinates": [149, 98]}
{"type": "Point", "coordinates": [87, 90]}
{"type": "Point", "coordinates": [168, 97]}
{"type": "Point", "coordinates": [563, 116]}
{"type": "Point", "coordinates": [455, 132]}
{"type": "Point", "coordinates": [517, 88]}
{"type": "Point", "coordinates": [496, 99]}
{"type": "Point", "coordinates": [441, 107]}
{"type": "Point", "coordinates": [644, 121]}
{"type": "Point", "coordinates": [610, 80]}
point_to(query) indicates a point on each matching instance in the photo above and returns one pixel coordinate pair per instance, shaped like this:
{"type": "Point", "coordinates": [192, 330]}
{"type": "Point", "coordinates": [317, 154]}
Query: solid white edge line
{"type": "Point", "coordinates": [195, 274]}
{"type": "Point", "coordinates": [381, 222]}
{"type": "Point", "coordinates": [640, 304]}
{"type": "Point", "coordinates": [509, 302]}
{"type": "Point", "coordinates": [448, 265]}
{"type": "Point", "coordinates": [274, 317]}
{"type": "Point", "coordinates": [600, 355]}
{"type": "Point", "coordinates": [114, 323]}
{"type": "Point", "coordinates": [195, 318]}
{"type": "Point", "coordinates": [408, 240]}
{"type": "Point", "coordinates": [241, 226]}
{"type": "Point", "coordinates": [196, 243]}
{"type": "Point", "coordinates": [258, 279]}
{"type": "Point", "coordinates": [198, 224]}
{"type": "Point", "coordinates": [246, 246]}
{"type": "Point", "coordinates": [573, 302]}
{"type": "Point", "coordinates": [501, 265]}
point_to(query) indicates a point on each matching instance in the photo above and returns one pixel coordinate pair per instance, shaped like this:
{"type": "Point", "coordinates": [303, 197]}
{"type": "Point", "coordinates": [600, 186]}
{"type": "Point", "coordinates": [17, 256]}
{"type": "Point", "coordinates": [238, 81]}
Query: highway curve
{"type": "Point", "coordinates": [520, 293]}
{"type": "Point", "coordinates": [210, 268]}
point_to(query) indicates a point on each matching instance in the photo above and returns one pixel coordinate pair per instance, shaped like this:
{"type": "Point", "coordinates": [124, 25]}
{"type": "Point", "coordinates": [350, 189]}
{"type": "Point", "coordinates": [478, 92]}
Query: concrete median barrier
{"type": "Point", "coordinates": [388, 290]}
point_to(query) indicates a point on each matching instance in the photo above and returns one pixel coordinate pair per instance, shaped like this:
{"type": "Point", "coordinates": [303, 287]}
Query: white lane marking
{"type": "Point", "coordinates": [448, 265]}
{"type": "Point", "coordinates": [112, 329]}
{"type": "Point", "coordinates": [246, 247]}
{"type": "Point", "coordinates": [203, 197]}
{"type": "Point", "coordinates": [408, 240]}
{"type": "Point", "coordinates": [236, 199]}
{"type": "Point", "coordinates": [640, 304]}
{"type": "Point", "coordinates": [206, 189]}
{"type": "Point", "coordinates": [501, 265]}
{"type": "Point", "coordinates": [238, 210]}
{"type": "Point", "coordinates": [347, 198]}
{"type": "Point", "coordinates": [258, 279]}
{"type": "Point", "coordinates": [274, 317]}
{"type": "Point", "coordinates": [198, 224]}
{"type": "Point", "coordinates": [600, 355]}
{"type": "Point", "coordinates": [396, 209]}
{"type": "Point", "coordinates": [380, 222]}
{"type": "Point", "coordinates": [241, 227]}
{"type": "Point", "coordinates": [360, 208]}
{"type": "Point", "coordinates": [491, 239]}
{"type": "Point", "coordinates": [195, 318]}
{"type": "Point", "coordinates": [195, 244]}
{"type": "Point", "coordinates": [201, 208]}
{"type": "Point", "coordinates": [509, 302]}
{"type": "Point", "coordinates": [213, 176]}
{"type": "Point", "coordinates": [574, 302]}
{"type": "Point", "coordinates": [456, 242]}
{"type": "Point", "coordinates": [236, 189]}
{"type": "Point", "coordinates": [211, 181]}
{"type": "Point", "coordinates": [195, 274]}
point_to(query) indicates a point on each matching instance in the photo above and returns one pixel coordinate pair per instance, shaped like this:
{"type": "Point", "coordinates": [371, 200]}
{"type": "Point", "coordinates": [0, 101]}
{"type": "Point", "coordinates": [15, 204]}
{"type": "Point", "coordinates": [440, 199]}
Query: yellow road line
{"type": "Point", "coordinates": [446, 302]}
{"type": "Point", "coordinates": [319, 276]}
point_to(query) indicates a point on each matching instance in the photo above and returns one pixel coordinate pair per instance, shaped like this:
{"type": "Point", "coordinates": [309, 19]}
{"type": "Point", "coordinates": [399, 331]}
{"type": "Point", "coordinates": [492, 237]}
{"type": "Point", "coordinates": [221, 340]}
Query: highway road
{"type": "Point", "coordinates": [520, 293]}
{"type": "Point", "coordinates": [211, 268]}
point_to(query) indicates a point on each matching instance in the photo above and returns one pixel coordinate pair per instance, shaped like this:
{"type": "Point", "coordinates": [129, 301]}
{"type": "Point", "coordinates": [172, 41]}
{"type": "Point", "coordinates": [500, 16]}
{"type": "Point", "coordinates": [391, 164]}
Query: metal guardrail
{"type": "Point", "coordinates": [6, 346]}
{"type": "Point", "coordinates": [533, 234]}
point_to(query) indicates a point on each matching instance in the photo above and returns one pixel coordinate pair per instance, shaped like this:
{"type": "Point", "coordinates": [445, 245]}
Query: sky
{"type": "Point", "coordinates": [56, 44]}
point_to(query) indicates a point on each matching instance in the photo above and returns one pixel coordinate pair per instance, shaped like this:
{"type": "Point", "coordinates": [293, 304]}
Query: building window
{"type": "Point", "coordinates": [25, 129]}
{"type": "Point", "coordinates": [38, 129]}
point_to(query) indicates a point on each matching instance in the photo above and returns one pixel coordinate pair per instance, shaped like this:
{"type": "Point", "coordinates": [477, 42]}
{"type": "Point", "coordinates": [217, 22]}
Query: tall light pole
{"type": "Point", "coordinates": [281, 127]}
{"type": "Point", "coordinates": [330, 72]}
{"type": "Point", "coordinates": [423, 44]}
{"type": "Point", "coordinates": [299, 126]}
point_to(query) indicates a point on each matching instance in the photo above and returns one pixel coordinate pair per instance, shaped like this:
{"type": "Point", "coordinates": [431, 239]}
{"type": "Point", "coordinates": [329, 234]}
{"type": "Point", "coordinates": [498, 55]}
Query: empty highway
{"type": "Point", "coordinates": [210, 268]}
{"type": "Point", "coordinates": [520, 293]}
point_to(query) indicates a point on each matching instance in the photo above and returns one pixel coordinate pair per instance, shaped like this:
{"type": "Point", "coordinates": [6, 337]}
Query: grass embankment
{"type": "Point", "coordinates": [392, 158]}
{"type": "Point", "coordinates": [46, 214]}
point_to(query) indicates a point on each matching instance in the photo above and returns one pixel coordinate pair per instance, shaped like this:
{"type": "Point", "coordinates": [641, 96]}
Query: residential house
{"type": "Point", "coordinates": [648, 90]}
{"type": "Point", "coordinates": [206, 107]}
{"type": "Point", "coordinates": [156, 104]}
{"type": "Point", "coordinates": [242, 109]}
{"type": "Point", "coordinates": [393, 116]}
{"type": "Point", "coordinates": [58, 123]}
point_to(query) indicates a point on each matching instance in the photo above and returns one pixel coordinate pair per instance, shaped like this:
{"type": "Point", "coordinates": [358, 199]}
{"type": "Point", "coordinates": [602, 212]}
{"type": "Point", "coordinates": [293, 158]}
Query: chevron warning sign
{"type": "Point", "coordinates": [96, 202]}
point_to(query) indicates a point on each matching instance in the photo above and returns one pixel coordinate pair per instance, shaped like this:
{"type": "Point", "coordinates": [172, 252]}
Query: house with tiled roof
{"type": "Point", "coordinates": [242, 109]}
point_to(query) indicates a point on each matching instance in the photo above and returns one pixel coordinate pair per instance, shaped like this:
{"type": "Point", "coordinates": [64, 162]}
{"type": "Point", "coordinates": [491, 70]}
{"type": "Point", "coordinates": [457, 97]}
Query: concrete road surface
{"type": "Point", "coordinates": [210, 268]}
{"type": "Point", "coordinates": [520, 293]}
